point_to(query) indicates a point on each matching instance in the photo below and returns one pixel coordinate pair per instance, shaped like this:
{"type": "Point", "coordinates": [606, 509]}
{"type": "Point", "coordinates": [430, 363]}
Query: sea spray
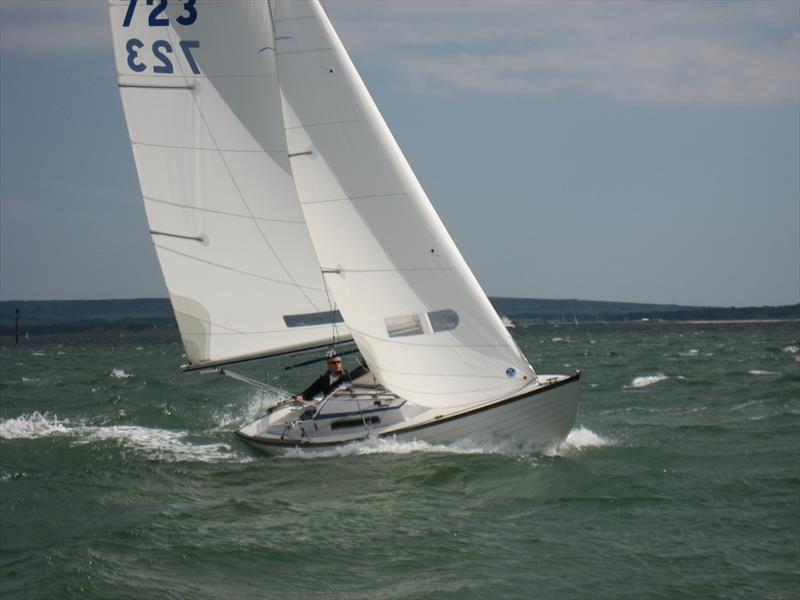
{"type": "Point", "coordinates": [33, 425]}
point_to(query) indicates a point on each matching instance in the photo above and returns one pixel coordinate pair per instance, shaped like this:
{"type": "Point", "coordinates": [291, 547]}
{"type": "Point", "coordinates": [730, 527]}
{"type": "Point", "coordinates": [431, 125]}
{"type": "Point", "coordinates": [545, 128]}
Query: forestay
{"type": "Point", "coordinates": [200, 94]}
{"type": "Point", "coordinates": [413, 306]}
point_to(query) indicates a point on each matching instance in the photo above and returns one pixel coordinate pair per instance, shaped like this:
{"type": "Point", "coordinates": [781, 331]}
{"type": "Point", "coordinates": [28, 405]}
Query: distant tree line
{"type": "Point", "coordinates": [66, 316]}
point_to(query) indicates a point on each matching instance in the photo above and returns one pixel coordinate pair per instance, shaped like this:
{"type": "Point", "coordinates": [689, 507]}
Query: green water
{"type": "Point", "coordinates": [120, 478]}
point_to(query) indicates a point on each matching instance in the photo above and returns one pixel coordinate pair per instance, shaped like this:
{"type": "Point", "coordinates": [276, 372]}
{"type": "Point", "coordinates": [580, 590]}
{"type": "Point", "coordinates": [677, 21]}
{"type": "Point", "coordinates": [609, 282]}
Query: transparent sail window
{"type": "Point", "coordinates": [319, 318]}
{"type": "Point", "coordinates": [432, 322]}
{"type": "Point", "coordinates": [443, 320]}
{"type": "Point", "coordinates": [402, 326]}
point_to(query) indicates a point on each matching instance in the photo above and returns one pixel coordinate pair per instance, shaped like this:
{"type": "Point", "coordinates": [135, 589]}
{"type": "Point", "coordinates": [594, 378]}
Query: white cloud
{"type": "Point", "coordinates": [638, 52]}
{"type": "Point", "coordinates": [668, 53]}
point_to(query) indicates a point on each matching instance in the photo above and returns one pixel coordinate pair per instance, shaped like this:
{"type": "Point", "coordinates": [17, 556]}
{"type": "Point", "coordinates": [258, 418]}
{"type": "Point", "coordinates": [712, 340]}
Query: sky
{"type": "Point", "coordinates": [627, 151]}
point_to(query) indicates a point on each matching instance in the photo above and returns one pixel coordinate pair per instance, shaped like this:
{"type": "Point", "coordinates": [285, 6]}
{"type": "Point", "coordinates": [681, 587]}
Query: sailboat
{"type": "Point", "coordinates": [286, 219]}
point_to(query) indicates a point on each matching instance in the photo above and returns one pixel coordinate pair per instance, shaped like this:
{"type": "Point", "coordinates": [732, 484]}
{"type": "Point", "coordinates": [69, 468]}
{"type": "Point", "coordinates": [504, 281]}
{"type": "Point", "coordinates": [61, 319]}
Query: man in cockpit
{"type": "Point", "coordinates": [328, 381]}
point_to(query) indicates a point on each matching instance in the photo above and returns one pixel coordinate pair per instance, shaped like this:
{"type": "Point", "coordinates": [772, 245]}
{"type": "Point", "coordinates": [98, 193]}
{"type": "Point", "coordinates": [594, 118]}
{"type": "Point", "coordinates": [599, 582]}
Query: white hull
{"type": "Point", "coordinates": [539, 416]}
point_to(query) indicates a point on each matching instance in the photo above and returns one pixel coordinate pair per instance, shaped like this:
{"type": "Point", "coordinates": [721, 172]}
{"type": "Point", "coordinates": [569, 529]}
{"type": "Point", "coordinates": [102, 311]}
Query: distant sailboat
{"type": "Point", "coordinates": [286, 218]}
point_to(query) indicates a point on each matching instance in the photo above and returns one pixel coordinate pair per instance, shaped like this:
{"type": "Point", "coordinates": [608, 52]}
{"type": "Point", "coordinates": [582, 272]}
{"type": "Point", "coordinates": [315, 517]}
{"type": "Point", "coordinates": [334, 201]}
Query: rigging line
{"type": "Point", "coordinates": [202, 114]}
{"type": "Point", "coordinates": [332, 308]}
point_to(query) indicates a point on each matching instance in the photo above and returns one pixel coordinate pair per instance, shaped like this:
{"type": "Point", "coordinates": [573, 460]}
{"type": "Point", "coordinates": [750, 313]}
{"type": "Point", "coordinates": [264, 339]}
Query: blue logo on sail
{"type": "Point", "coordinates": [510, 372]}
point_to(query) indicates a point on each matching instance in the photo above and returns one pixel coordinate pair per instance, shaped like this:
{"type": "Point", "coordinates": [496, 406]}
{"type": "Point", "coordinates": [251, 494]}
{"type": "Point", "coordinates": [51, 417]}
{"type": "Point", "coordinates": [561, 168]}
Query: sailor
{"type": "Point", "coordinates": [327, 382]}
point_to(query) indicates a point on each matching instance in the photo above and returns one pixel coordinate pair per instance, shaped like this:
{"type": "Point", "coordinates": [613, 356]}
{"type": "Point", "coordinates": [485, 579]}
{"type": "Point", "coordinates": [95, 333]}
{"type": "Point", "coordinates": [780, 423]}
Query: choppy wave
{"type": "Point", "coordinates": [120, 374]}
{"type": "Point", "coordinates": [34, 425]}
{"type": "Point", "coordinates": [760, 372]}
{"type": "Point", "coordinates": [791, 349]}
{"type": "Point", "coordinates": [645, 380]}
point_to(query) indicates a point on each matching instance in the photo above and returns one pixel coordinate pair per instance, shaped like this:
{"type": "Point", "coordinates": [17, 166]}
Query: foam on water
{"type": "Point", "coordinates": [578, 439]}
{"type": "Point", "coordinates": [759, 372]}
{"type": "Point", "coordinates": [791, 349]}
{"type": "Point", "coordinates": [381, 446]}
{"type": "Point", "coordinates": [165, 445]}
{"type": "Point", "coordinates": [34, 425]}
{"type": "Point", "coordinates": [119, 374]}
{"type": "Point", "coordinates": [645, 380]}
{"type": "Point", "coordinates": [158, 444]}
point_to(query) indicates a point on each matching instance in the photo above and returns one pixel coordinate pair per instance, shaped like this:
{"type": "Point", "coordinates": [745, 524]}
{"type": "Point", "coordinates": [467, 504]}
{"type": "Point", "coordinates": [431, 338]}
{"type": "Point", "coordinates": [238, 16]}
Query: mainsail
{"type": "Point", "coordinates": [414, 308]}
{"type": "Point", "coordinates": [200, 93]}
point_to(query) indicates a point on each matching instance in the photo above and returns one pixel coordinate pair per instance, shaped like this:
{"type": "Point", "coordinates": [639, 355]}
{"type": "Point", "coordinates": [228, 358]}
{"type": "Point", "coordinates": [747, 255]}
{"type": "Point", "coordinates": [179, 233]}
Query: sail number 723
{"type": "Point", "coordinates": [155, 19]}
{"type": "Point", "coordinates": [161, 49]}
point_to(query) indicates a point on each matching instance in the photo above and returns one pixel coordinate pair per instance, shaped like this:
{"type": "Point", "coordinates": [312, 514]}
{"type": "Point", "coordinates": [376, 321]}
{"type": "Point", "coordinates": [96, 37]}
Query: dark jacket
{"type": "Point", "coordinates": [323, 385]}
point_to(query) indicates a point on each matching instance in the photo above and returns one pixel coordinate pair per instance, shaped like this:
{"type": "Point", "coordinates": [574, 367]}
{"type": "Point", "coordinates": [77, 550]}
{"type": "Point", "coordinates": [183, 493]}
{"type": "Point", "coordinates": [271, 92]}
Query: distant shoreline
{"type": "Point", "coordinates": [67, 316]}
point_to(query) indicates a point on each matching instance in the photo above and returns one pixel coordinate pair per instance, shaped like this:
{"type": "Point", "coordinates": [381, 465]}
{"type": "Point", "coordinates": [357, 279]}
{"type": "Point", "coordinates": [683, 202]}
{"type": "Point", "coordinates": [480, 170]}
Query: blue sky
{"type": "Point", "coordinates": [635, 151]}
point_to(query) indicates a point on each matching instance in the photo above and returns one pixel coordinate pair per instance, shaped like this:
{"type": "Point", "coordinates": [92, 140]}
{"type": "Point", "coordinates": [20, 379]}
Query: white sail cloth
{"type": "Point", "coordinates": [200, 94]}
{"type": "Point", "coordinates": [414, 308]}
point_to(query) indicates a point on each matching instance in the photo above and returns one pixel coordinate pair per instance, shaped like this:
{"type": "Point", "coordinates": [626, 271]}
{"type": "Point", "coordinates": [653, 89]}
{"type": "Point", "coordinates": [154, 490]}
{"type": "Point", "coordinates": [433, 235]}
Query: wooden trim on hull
{"type": "Point", "coordinates": [267, 445]}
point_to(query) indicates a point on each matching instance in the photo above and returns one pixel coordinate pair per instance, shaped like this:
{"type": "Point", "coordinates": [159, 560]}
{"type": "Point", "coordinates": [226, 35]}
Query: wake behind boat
{"type": "Point", "coordinates": [286, 218]}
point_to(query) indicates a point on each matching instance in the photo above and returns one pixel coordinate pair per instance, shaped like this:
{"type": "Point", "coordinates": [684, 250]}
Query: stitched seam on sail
{"type": "Point", "coordinates": [352, 198]}
{"type": "Point", "coordinates": [326, 123]}
{"type": "Point", "coordinates": [220, 212]}
{"type": "Point", "coordinates": [405, 343]}
{"type": "Point", "coordinates": [235, 184]}
{"type": "Point", "coordinates": [255, 275]}
{"type": "Point", "coordinates": [177, 147]}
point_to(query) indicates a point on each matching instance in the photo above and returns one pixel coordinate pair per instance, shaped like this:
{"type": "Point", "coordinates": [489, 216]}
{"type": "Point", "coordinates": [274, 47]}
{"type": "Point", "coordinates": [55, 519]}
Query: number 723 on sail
{"type": "Point", "coordinates": [161, 59]}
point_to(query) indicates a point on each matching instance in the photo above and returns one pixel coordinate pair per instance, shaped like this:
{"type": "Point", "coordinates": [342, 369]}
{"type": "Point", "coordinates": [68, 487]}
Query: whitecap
{"type": "Point", "coordinates": [645, 380]}
{"type": "Point", "coordinates": [558, 339]}
{"type": "Point", "coordinates": [119, 374]}
{"type": "Point", "coordinates": [34, 425]}
{"type": "Point", "coordinates": [791, 349]}
{"type": "Point", "coordinates": [760, 372]}
{"type": "Point", "coordinates": [39, 354]}
{"type": "Point", "coordinates": [692, 352]}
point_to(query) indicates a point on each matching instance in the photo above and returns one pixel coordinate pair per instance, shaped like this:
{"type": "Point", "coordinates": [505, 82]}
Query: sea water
{"type": "Point", "coordinates": [120, 477]}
